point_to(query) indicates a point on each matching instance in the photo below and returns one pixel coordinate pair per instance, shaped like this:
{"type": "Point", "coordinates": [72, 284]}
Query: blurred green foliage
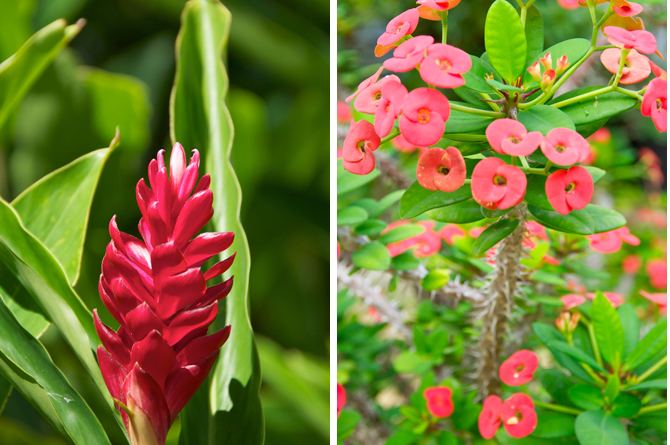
{"type": "Point", "coordinates": [119, 71]}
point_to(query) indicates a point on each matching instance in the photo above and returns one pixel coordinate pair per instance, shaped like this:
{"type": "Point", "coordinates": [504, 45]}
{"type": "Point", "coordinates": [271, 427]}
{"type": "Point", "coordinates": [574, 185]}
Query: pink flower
{"type": "Point", "coordinates": [562, 64]}
{"type": "Point", "coordinates": [444, 65]}
{"type": "Point", "coordinates": [489, 418]}
{"type": "Point", "coordinates": [610, 242]}
{"type": "Point", "coordinates": [476, 231]}
{"type": "Point", "coordinates": [343, 112]}
{"type": "Point", "coordinates": [368, 100]}
{"type": "Point", "coordinates": [438, 401]}
{"type": "Point", "coordinates": [438, 5]}
{"type": "Point", "coordinates": [451, 231]}
{"type": "Point", "coordinates": [389, 106]}
{"type": "Point", "coordinates": [366, 83]}
{"type": "Point", "coordinates": [425, 244]}
{"type": "Point", "coordinates": [569, 4]}
{"type": "Point", "coordinates": [358, 147]}
{"type": "Point", "coordinates": [537, 230]}
{"type": "Point", "coordinates": [572, 300]}
{"type": "Point", "coordinates": [509, 137]}
{"type": "Point", "coordinates": [565, 147]}
{"type": "Point", "coordinates": [655, 103]}
{"type": "Point", "coordinates": [408, 54]}
{"type": "Point", "coordinates": [626, 9]}
{"type": "Point", "coordinates": [424, 113]}
{"type": "Point", "coordinates": [156, 290]}
{"type": "Point", "coordinates": [615, 299]}
{"type": "Point", "coordinates": [641, 40]}
{"type": "Point", "coordinates": [631, 264]}
{"type": "Point", "coordinates": [401, 144]}
{"type": "Point", "coordinates": [569, 190]}
{"type": "Point", "coordinates": [338, 249]}
{"type": "Point", "coordinates": [636, 67]}
{"type": "Point", "coordinates": [658, 273]}
{"type": "Point", "coordinates": [341, 398]}
{"type": "Point", "coordinates": [496, 185]}
{"type": "Point", "coordinates": [660, 299]}
{"type": "Point", "coordinates": [658, 71]}
{"type": "Point", "coordinates": [440, 169]}
{"type": "Point", "coordinates": [400, 26]}
{"type": "Point", "coordinates": [536, 72]}
{"type": "Point", "coordinates": [566, 323]}
{"type": "Point", "coordinates": [518, 415]}
{"type": "Point", "coordinates": [519, 368]}
{"type": "Point", "coordinates": [601, 136]}
{"type": "Point", "coordinates": [548, 78]}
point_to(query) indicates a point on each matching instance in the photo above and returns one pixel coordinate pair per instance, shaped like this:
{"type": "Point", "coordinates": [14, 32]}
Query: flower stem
{"type": "Point", "coordinates": [524, 12]}
{"type": "Point", "coordinates": [466, 137]}
{"type": "Point", "coordinates": [594, 343]}
{"type": "Point", "coordinates": [476, 111]}
{"type": "Point", "coordinates": [584, 96]}
{"type": "Point", "coordinates": [649, 409]}
{"type": "Point", "coordinates": [533, 171]}
{"type": "Point", "coordinates": [394, 132]}
{"type": "Point", "coordinates": [524, 161]}
{"type": "Point", "coordinates": [547, 167]}
{"type": "Point", "coordinates": [622, 62]}
{"type": "Point", "coordinates": [559, 408]}
{"type": "Point", "coordinates": [652, 370]}
{"type": "Point", "coordinates": [444, 15]}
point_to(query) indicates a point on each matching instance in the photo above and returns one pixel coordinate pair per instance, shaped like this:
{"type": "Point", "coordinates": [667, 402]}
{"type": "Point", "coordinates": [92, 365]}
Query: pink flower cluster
{"type": "Point", "coordinates": [428, 242]}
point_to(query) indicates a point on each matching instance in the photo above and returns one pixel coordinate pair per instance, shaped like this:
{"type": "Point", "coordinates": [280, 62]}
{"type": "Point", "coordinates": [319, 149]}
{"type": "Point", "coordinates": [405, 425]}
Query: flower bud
{"type": "Point", "coordinates": [562, 64]}
{"type": "Point", "coordinates": [574, 321]}
{"type": "Point", "coordinates": [548, 79]}
{"type": "Point", "coordinates": [536, 72]}
{"type": "Point", "coordinates": [563, 322]}
{"type": "Point", "coordinates": [546, 61]}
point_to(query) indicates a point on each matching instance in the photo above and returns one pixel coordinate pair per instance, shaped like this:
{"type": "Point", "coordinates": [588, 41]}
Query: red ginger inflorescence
{"type": "Point", "coordinates": [157, 292]}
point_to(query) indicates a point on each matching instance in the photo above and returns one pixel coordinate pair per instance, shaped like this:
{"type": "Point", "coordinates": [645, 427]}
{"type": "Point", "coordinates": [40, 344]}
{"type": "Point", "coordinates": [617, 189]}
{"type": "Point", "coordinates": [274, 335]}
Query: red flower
{"type": "Point", "coordinates": [519, 368]}
{"type": "Point", "coordinates": [641, 40]}
{"type": "Point", "coordinates": [451, 231]}
{"type": "Point", "coordinates": [358, 147]}
{"type": "Point", "coordinates": [341, 398]}
{"type": "Point", "coordinates": [655, 103]}
{"type": "Point", "coordinates": [636, 67]}
{"type": "Point", "coordinates": [615, 299]}
{"type": "Point", "coordinates": [572, 300]}
{"type": "Point", "coordinates": [424, 112]}
{"type": "Point", "coordinates": [509, 137]}
{"type": "Point", "coordinates": [438, 5]}
{"type": "Point", "coordinates": [401, 144]}
{"type": "Point", "coordinates": [610, 242]}
{"type": "Point", "coordinates": [343, 112]}
{"type": "Point", "coordinates": [389, 106]}
{"type": "Point", "coordinates": [425, 244]}
{"type": "Point", "coordinates": [537, 230]}
{"type": "Point", "coordinates": [569, 4]}
{"type": "Point", "coordinates": [660, 299]}
{"type": "Point", "coordinates": [658, 273]}
{"type": "Point", "coordinates": [444, 65]}
{"type": "Point", "coordinates": [569, 190]}
{"type": "Point", "coordinates": [631, 264]}
{"type": "Point", "coordinates": [565, 147]}
{"type": "Point", "coordinates": [400, 26]}
{"type": "Point", "coordinates": [658, 71]}
{"type": "Point", "coordinates": [366, 83]}
{"type": "Point", "coordinates": [438, 401]}
{"type": "Point", "coordinates": [155, 289]}
{"type": "Point", "coordinates": [408, 54]}
{"type": "Point", "coordinates": [518, 415]}
{"type": "Point", "coordinates": [496, 185]}
{"type": "Point", "coordinates": [368, 99]}
{"type": "Point", "coordinates": [440, 169]}
{"type": "Point", "coordinates": [626, 9]}
{"type": "Point", "coordinates": [489, 418]}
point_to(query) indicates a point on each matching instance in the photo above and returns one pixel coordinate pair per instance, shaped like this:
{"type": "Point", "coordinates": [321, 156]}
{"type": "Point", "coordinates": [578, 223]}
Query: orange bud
{"type": "Point", "coordinates": [548, 79]}
{"type": "Point", "coordinates": [536, 72]}
{"type": "Point", "coordinates": [562, 64]}
{"type": "Point", "coordinates": [546, 61]}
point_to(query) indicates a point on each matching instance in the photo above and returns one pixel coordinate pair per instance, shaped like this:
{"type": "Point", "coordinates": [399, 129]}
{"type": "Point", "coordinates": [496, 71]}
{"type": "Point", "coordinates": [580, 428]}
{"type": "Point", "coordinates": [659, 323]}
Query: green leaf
{"type": "Point", "coordinates": [347, 181]}
{"type": "Point", "coordinates": [21, 351]}
{"type": "Point", "coordinates": [405, 261]}
{"type": "Point", "coordinates": [557, 383]}
{"type": "Point", "coordinates": [475, 78]}
{"type": "Point", "coordinates": [350, 216]}
{"type": "Point", "coordinates": [493, 235]}
{"type": "Point", "coordinates": [649, 384]}
{"type": "Point", "coordinates": [493, 214]}
{"type": "Point", "coordinates": [471, 97]}
{"type": "Point", "coordinates": [596, 173]}
{"type": "Point", "coordinates": [461, 122]}
{"type": "Point", "coordinates": [536, 194]}
{"type": "Point", "coordinates": [573, 48]}
{"type": "Point", "coordinates": [411, 413]}
{"type": "Point", "coordinates": [501, 86]}
{"type": "Point", "coordinates": [372, 256]}
{"type": "Point", "coordinates": [650, 345]}
{"type": "Point", "coordinates": [505, 40]}
{"type": "Point", "coordinates": [402, 437]}
{"type": "Point", "coordinates": [461, 213]}
{"type": "Point", "coordinates": [544, 118]}
{"type": "Point", "coordinates": [435, 279]}
{"type": "Point", "coordinates": [608, 329]}
{"type": "Point", "coordinates": [199, 118]}
{"type": "Point", "coordinates": [411, 362]}
{"type": "Point", "coordinates": [21, 70]}
{"type": "Point", "coordinates": [605, 219]}
{"type": "Point", "coordinates": [386, 202]}
{"type": "Point", "coordinates": [346, 423]}
{"type": "Point", "coordinates": [534, 33]}
{"type": "Point", "coordinates": [401, 233]}
{"type": "Point", "coordinates": [595, 108]}
{"type": "Point", "coordinates": [5, 391]}
{"type": "Point", "coordinates": [626, 405]}
{"type": "Point", "coordinates": [612, 387]}
{"type": "Point", "coordinates": [577, 221]}
{"type": "Point", "coordinates": [417, 200]}
{"type": "Point", "coordinates": [548, 334]}
{"type": "Point", "coordinates": [551, 424]}
{"type": "Point", "coordinates": [56, 208]}
{"type": "Point", "coordinates": [576, 353]}
{"type": "Point", "coordinates": [631, 327]}
{"type": "Point", "coordinates": [600, 428]}
{"type": "Point", "coordinates": [586, 397]}
{"type": "Point", "coordinates": [371, 227]}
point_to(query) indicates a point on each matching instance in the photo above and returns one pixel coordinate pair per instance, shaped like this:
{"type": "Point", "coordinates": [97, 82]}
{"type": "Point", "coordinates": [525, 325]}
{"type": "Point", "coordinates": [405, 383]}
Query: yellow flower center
{"type": "Point", "coordinates": [424, 116]}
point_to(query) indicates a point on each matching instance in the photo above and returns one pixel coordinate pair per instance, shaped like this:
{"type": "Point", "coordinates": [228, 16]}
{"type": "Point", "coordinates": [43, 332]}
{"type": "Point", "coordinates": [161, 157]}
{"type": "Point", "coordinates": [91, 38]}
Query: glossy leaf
{"type": "Point", "coordinates": [350, 216]}
{"type": "Point", "coordinates": [372, 256]}
{"type": "Point", "coordinates": [600, 428]}
{"type": "Point", "coordinates": [401, 233]}
{"type": "Point", "coordinates": [586, 397]}
{"type": "Point", "coordinates": [595, 108]}
{"type": "Point", "coordinates": [605, 219]}
{"type": "Point", "coordinates": [417, 200]}
{"type": "Point", "coordinates": [649, 384]}
{"type": "Point", "coordinates": [200, 119]}
{"type": "Point", "coordinates": [544, 118]}
{"type": "Point", "coordinates": [577, 221]}
{"type": "Point", "coordinates": [608, 329]}
{"type": "Point", "coordinates": [21, 351]}
{"type": "Point", "coordinates": [631, 327]}
{"type": "Point", "coordinates": [435, 279]}
{"type": "Point", "coordinates": [534, 33]}
{"type": "Point", "coordinates": [56, 208]}
{"type": "Point", "coordinates": [551, 424]}
{"type": "Point", "coordinates": [471, 97]}
{"type": "Point", "coordinates": [505, 40]}
{"type": "Point", "coordinates": [347, 181]}
{"type": "Point", "coordinates": [575, 353]}
{"type": "Point", "coordinates": [650, 345]}
{"type": "Point", "coordinates": [547, 334]}
{"type": "Point", "coordinates": [573, 48]}
{"type": "Point", "coordinates": [371, 227]}
{"type": "Point", "coordinates": [494, 234]}
{"type": "Point", "coordinates": [475, 78]}
{"type": "Point", "coordinates": [626, 405]}
{"type": "Point", "coordinates": [461, 213]}
{"type": "Point", "coordinates": [502, 87]}
{"type": "Point", "coordinates": [21, 70]}
{"type": "Point", "coordinates": [405, 261]}
{"type": "Point", "coordinates": [492, 214]}
{"type": "Point", "coordinates": [536, 194]}
{"type": "Point", "coordinates": [460, 122]}
{"type": "Point", "coordinates": [596, 173]}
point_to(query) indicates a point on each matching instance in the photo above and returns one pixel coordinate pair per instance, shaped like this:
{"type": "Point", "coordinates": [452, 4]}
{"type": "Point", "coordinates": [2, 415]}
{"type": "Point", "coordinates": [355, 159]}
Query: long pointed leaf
{"type": "Point", "coordinates": [200, 119]}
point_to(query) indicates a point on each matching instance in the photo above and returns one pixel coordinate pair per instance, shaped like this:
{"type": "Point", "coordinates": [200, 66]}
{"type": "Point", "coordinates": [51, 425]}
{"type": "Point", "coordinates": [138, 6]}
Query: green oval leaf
{"type": "Point", "coordinates": [534, 33]}
{"type": "Point", "coordinates": [494, 234]}
{"type": "Point", "coordinates": [544, 118]}
{"type": "Point", "coordinates": [501, 86]}
{"type": "Point", "coordinates": [600, 428]}
{"type": "Point", "coordinates": [384, 203]}
{"type": "Point", "coordinates": [626, 405]}
{"type": "Point", "coordinates": [405, 261]}
{"type": "Point", "coordinates": [372, 256]}
{"type": "Point", "coordinates": [597, 108]}
{"type": "Point", "coordinates": [435, 279]}
{"type": "Point", "coordinates": [608, 329]}
{"type": "Point", "coordinates": [631, 327]}
{"type": "Point", "coordinates": [475, 79]}
{"type": "Point", "coordinates": [460, 122]}
{"type": "Point", "coordinates": [417, 200]}
{"type": "Point", "coordinates": [401, 233]}
{"type": "Point", "coordinates": [573, 48]}
{"type": "Point", "coordinates": [350, 216]}
{"type": "Point", "coordinates": [371, 227]}
{"type": "Point", "coordinates": [586, 397]}
{"type": "Point", "coordinates": [347, 181]}
{"type": "Point", "coordinates": [577, 221]}
{"type": "Point", "coordinates": [461, 213]}
{"type": "Point", "coordinates": [576, 353]}
{"type": "Point", "coordinates": [605, 219]}
{"type": "Point", "coordinates": [551, 424]}
{"type": "Point", "coordinates": [650, 345]}
{"type": "Point", "coordinates": [505, 40]}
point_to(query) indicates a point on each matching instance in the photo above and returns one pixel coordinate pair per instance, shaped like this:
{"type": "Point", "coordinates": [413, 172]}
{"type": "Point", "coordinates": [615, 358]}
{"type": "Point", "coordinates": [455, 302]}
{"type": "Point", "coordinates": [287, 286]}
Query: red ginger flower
{"type": "Point", "coordinates": [489, 418]}
{"type": "Point", "coordinates": [655, 103]}
{"type": "Point", "coordinates": [510, 137]}
{"type": "Point", "coordinates": [438, 401]}
{"type": "Point", "coordinates": [341, 398]}
{"type": "Point", "coordinates": [518, 415]}
{"type": "Point", "coordinates": [157, 292]}
{"type": "Point", "coordinates": [519, 368]}
{"type": "Point", "coordinates": [496, 185]}
{"type": "Point", "coordinates": [569, 190]}
{"type": "Point", "coordinates": [440, 169]}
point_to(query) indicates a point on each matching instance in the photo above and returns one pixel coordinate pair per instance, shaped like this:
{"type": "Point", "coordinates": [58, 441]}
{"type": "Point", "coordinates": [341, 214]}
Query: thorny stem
{"type": "Point", "coordinates": [444, 15]}
{"type": "Point", "coordinates": [559, 408]}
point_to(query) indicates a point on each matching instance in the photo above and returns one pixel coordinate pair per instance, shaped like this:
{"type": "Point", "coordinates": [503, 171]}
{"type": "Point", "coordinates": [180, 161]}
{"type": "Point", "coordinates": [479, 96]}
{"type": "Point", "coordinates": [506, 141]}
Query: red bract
{"type": "Point", "coordinates": [440, 169]}
{"type": "Point", "coordinates": [425, 244]}
{"type": "Point", "coordinates": [537, 230]}
{"type": "Point", "coordinates": [655, 103]}
{"type": "Point", "coordinates": [519, 368]}
{"type": "Point", "coordinates": [610, 242]}
{"type": "Point", "coordinates": [389, 107]}
{"type": "Point", "coordinates": [438, 401]}
{"type": "Point", "coordinates": [368, 99]}
{"type": "Point", "coordinates": [496, 185]}
{"type": "Point", "coordinates": [401, 144]}
{"type": "Point", "coordinates": [572, 300]}
{"type": "Point", "coordinates": [489, 418]}
{"type": "Point", "coordinates": [636, 68]}
{"type": "Point", "coordinates": [658, 71]}
{"type": "Point", "coordinates": [569, 190]}
{"type": "Point", "coordinates": [438, 5]}
{"type": "Point", "coordinates": [626, 9]}
{"type": "Point", "coordinates": [509, 137]}
{"type": "Point", "coordinates": [358, 147]}
{"type": "Point", "coordinates": [660, 299]}
{"type": "Point", "coordinates": [631, 264]}
{"type": "Point", "coordinates": [444, 65]}
{"type": "Point", "coordinates": [658, 273]}
{"type": "Point", "coordinates": [615, 300]}
{"type": "Point", "coordinates": [451, 231]}
{"type": "Point", "coordinates": [565, 147]}
{"type": "Point", "coordinates": [155, 289]}
{"type": "Point", "coordinates": [366, 83]}
{"type": "Point", "coordinates": [424, 112]}
{"type": "Point", "coordinates": [641, 40]}
{"type": "Point", "coordinates": [408, 54]}
{"type": "Point", "coordinates": [518, 415]}
{"type": "Point", "coordinates": [343, 112]}
{"type": "Point", "coordinates": [341, 398]}
{"type": "Point", "coordinates": [400, 26]}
